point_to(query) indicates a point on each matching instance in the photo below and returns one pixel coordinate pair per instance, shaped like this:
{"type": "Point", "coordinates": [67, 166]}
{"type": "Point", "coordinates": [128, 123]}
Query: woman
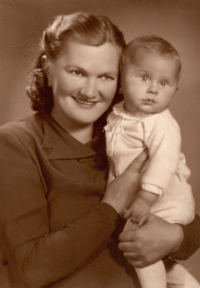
{"type": "Point", "coordinates": [58, 228]}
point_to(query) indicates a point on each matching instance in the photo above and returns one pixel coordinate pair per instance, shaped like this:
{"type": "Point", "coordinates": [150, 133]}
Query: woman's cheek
{"type": "Point", "coordinates": [112, 90]}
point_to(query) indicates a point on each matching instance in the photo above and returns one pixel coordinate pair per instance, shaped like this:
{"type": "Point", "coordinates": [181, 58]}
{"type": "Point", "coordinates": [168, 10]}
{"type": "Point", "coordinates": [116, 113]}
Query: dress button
{"type": "Point", "coordinates": [81, 160]}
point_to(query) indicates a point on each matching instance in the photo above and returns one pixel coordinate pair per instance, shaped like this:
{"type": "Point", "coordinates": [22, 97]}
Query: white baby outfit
{"type": "Point", "coordinates": [165, 174]}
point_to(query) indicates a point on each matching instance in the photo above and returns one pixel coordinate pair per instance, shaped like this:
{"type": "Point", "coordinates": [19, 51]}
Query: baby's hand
{"type": "Point", "coordinates": [138, 212]}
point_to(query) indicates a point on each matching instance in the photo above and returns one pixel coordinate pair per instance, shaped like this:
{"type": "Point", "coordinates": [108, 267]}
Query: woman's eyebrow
{"type": "Point", "coordinates": [75, 66]}
{"type": "Point", "coordinates": [84, 70]}
{"type": "Point", "coordinates": [109, 73]}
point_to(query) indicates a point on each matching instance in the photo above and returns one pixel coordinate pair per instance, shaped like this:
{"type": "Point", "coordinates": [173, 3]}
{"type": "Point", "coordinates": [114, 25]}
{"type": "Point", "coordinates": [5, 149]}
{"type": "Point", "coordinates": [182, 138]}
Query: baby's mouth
{"type": "Point", "coordinates": [148, 101]}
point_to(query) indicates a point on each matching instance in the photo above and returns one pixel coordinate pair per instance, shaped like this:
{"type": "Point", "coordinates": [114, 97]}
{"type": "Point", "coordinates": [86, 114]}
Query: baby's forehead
{"type": "Point", "coordinates": [140, 52]}
{"type": "Point", "coordinates": [153, 64]}
{"type": "Point", "coordinates": [142, 55]}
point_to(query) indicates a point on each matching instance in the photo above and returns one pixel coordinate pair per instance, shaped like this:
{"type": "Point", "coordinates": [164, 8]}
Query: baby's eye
{"type": "Point", "coordinates": [164, 83]}
{"type": "Point", "coordinates": [144, 78]}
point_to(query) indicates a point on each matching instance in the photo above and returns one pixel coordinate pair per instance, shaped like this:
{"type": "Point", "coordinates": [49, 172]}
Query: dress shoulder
{"type": "Point", "coordinates": [24, 128]}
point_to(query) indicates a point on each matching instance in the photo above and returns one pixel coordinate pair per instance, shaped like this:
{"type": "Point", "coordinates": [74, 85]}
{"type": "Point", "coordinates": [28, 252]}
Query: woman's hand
{"type": "Point", "coordinates": [121, 191]}
{"type": "Point", "coordinates": [152, 242]}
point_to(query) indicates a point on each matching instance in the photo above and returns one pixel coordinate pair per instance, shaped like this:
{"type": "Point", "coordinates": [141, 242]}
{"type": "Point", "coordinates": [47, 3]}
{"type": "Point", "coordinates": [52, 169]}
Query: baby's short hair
{"type": "Point", "coordinates": [149, 43]}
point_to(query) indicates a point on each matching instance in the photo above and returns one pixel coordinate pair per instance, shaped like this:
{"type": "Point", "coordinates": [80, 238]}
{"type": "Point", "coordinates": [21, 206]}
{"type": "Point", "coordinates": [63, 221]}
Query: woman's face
{"type": "Point", "coordinates": [83, 80]}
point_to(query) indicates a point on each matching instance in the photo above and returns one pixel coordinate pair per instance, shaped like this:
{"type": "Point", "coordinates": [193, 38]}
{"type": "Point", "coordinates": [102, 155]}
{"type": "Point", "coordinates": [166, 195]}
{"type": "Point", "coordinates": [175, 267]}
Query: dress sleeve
{"type": "Point", "coordinates": [191, 242]}
{"type": "Point", "coordinates": [35, 255]}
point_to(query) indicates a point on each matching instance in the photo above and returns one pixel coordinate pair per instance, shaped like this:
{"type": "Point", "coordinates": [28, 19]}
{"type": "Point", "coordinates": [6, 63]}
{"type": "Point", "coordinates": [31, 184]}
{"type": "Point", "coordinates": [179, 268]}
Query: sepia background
{"type": "Point", "coordinates": [178, 21]}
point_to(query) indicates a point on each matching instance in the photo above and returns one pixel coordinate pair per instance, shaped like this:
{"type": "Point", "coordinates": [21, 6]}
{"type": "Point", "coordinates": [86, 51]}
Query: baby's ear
{"type": "Point", "coordinates": [45, 66]}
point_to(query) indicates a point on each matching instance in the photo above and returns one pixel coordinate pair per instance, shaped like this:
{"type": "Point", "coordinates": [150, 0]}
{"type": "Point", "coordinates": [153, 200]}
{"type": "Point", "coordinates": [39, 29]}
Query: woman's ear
{"type": "Point", "coordinates": [45, 66]}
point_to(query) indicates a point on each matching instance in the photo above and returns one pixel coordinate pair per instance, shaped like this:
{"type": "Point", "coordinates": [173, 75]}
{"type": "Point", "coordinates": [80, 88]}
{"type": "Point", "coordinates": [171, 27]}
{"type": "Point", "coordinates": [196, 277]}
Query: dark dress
{"type": "Point", "coordinates": [54, 231]}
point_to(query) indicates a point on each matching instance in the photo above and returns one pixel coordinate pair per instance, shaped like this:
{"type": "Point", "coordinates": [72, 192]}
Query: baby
{"type": "Point", "coordinates": [150, 72]}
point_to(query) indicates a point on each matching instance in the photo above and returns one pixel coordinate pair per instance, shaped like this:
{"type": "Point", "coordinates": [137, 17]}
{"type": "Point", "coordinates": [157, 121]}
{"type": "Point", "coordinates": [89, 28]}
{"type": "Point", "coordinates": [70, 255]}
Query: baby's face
{"type": "Point", "coordinates": [149, 83]}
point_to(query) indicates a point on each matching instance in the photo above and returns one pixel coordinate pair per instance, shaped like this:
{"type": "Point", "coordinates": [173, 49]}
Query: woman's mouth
{"type": "Point", "coordinates": [84, 102]}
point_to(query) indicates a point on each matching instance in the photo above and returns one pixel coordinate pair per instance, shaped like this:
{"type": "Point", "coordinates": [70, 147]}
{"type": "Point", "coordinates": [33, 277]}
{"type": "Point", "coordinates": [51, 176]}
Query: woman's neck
{"type": "Point", "coordinates": [83, 133]}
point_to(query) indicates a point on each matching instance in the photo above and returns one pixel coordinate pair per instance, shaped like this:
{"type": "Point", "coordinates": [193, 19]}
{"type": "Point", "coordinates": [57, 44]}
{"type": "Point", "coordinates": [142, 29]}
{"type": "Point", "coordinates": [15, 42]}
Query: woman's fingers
{"type": "Point", "coordinates": [142, 220]}
{"type": "Point", "coordinates": [132, 249]}
{"type": "Point", "coordinates": [127, 247]}
{"type": "Point", "coordinates": [153, 241]}
{"type": "Point", "coordinates": [121, 191]}
{"type": "Point", "coordinates": [133, 260]}
{"type": "Point", "coordinates": [138, 164]}
{"type": "Point", "coordinates": [130, 252]}
{"type": "Point", "coordinates": [129, 234]}
{"type": "Point", "coordinates": [126, 213]}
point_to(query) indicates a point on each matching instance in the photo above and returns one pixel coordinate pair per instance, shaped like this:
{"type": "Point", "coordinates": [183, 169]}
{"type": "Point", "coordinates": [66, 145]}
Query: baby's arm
{"type": "Point", "coordinates": [163, 140]}
{"type": "Point", "coordinates": [140, 208]}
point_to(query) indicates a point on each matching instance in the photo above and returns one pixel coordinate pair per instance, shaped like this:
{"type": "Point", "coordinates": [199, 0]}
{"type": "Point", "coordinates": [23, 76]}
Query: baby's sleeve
{"type": "Point", "coordinates": [163, 140]}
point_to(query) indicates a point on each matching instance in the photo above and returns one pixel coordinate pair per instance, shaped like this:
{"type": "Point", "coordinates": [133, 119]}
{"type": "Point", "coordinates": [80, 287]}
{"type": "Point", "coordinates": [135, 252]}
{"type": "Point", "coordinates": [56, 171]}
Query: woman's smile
{"type": "Point", "coordinates": [85, 103]}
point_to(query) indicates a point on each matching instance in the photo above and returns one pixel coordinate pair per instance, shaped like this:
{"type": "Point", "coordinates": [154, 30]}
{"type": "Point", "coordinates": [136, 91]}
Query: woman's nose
{"type": "Point", "coordinates": [153, 88]}
{"type": "Point", "coordinates": [89, 88]}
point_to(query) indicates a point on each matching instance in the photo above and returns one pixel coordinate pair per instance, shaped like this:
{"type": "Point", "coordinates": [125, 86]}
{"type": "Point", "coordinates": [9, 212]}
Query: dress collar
{"type": "Point", "coordinates": [60, 144]}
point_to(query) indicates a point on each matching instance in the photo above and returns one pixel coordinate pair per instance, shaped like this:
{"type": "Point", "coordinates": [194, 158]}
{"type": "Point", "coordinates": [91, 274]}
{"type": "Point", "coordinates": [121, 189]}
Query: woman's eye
{"type": "Point", "coordinates": [106, 77]}
{"type": "Point", "coordinates": [144, 78]}
{"type": "Point", "coordinates": [77, 72]}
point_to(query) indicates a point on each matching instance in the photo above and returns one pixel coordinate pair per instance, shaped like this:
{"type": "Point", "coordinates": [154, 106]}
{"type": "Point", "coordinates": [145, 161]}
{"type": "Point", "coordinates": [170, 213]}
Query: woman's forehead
{"type": "Point", "coordinates": [105, 56]}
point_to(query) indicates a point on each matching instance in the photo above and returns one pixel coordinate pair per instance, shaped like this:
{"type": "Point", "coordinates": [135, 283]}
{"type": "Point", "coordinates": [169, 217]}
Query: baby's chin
{"type": "Point", "coordinates": [150, 108]}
